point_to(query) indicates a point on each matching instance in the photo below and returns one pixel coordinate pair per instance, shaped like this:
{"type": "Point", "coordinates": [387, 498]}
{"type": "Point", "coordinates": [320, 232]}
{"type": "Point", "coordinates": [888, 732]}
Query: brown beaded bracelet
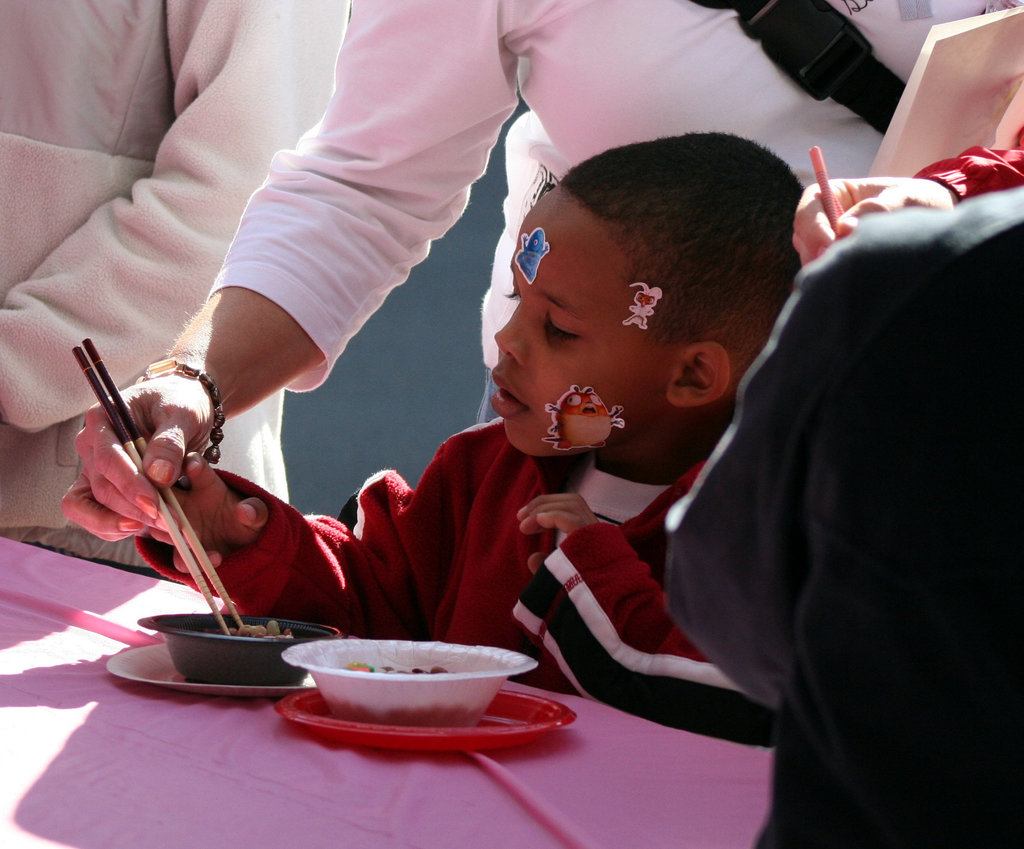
{"type": "Point", "coordinates": [162, 368]}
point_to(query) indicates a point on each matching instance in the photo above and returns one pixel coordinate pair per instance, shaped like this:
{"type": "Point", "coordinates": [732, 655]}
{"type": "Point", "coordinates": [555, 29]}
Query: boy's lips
{"type": "Point", "coordinates": [505, 403]}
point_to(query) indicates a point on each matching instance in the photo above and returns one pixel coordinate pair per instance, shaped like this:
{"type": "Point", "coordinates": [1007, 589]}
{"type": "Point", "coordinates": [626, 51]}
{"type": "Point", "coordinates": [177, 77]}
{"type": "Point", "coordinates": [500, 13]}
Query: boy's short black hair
{"type": "Point", "coordinates": [708, 217]}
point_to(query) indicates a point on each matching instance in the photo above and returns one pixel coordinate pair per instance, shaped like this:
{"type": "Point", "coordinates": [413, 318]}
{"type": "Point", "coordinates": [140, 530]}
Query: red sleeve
{"type": "Point", "coordinates": [978, 170]}
{"type": "Point", "coordinates": [598, 608]}
{"type": "Point", "coordinates": [314, 568]}
{"type": "Point", "coordinates": [620, 586]}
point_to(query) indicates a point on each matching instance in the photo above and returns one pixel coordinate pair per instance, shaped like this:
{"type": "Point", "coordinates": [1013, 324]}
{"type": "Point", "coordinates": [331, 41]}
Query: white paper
{"type": "Point", "coordinates": [966, 79]}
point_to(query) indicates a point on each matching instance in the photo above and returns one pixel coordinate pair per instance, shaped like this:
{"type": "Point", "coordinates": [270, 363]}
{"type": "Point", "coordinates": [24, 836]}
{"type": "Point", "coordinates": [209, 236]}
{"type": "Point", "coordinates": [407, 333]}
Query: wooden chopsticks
{"type": "Point", "coordinates": [186, 541]}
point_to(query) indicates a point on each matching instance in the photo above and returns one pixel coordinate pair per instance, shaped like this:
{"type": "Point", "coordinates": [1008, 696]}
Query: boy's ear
{"type": "Point", "coordinates": [702, 374]}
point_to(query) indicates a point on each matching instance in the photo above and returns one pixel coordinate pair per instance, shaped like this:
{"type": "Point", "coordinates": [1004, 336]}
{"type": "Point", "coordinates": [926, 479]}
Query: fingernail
{"type": "Point", "coordinates": [129, 526]}
{"type": "Point", "coordinates": [160, 471]}
{"type": "Point", "coordinates": [147, 506]}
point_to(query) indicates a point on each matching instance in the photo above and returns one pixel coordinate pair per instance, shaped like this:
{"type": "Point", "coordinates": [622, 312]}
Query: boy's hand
{"type": "Point", "coordinates": [223, 519]}
{"type": "Point", "coordinates": [563, 511]}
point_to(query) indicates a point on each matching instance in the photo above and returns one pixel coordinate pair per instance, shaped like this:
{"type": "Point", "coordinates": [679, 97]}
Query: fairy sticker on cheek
{"type": "Point", "coordinates": [534, 249]}
{"type": "Point", "coordinates": [644, 301]}
{"type": "Point", "coordinates": [580, 419]}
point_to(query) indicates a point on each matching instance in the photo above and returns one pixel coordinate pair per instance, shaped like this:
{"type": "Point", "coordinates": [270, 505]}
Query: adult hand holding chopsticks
{"type": "Point", "coordinates": [813, 233]}
{"type": "Point", "coordinates": [223, 520]}
{"type": "Point", "coordinates": [170, 513]}
{"type": "Point", "coordinates": [112, 498]}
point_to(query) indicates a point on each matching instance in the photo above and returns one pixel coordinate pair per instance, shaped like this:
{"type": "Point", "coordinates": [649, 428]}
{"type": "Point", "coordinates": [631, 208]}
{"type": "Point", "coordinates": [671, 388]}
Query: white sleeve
{"type": "Point", "coordinates": [343, 218]}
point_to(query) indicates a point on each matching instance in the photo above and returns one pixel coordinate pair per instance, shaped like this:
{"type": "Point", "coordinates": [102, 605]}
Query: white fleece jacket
{"type": "Point", "coordinates": [132, 133]}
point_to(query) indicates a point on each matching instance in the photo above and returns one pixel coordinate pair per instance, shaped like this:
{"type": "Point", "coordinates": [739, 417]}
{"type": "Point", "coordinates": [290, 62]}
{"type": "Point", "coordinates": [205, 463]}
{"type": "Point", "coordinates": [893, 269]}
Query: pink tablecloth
{"type": "Point", "coordinates": [95, 762]}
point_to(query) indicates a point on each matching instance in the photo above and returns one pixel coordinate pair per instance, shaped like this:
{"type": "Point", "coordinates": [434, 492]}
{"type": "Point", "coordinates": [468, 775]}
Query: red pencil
{"type": "Point", "coordinates": [828, 198]}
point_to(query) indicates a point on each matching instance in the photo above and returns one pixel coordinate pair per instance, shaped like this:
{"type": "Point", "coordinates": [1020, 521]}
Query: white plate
{"type": "Point", "coordinates": [152, 665]}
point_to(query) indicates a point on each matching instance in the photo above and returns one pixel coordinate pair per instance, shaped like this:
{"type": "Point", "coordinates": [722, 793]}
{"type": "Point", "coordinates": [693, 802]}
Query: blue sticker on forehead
{"type": "Point", "coordinates": [534, 248]}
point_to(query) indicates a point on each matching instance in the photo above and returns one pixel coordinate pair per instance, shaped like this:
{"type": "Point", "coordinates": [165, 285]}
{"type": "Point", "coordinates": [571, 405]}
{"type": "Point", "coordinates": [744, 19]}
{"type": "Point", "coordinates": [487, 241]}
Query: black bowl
{"type": "Point", "coordinates": [202, 652]}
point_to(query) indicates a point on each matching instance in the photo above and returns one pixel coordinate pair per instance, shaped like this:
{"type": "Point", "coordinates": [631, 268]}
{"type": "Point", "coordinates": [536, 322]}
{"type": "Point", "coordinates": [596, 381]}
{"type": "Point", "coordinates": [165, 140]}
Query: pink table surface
{"type": "Point", "coordinates": [91, 761]}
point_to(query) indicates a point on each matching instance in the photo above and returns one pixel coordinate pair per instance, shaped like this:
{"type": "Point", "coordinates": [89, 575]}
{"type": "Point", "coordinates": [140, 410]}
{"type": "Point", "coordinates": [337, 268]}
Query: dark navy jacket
{"type": "Point", "coordinates": [854, 553]}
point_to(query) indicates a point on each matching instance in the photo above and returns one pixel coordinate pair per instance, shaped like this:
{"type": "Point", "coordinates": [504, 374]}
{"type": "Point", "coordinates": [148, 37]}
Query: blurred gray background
{"type": "Point", "coordinates": [411, 377]}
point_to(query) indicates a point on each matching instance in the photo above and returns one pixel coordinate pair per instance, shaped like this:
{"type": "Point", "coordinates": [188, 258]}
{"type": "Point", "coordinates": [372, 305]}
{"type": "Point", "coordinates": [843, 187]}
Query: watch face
{"type": "Point", "coordinates": [161, 368]}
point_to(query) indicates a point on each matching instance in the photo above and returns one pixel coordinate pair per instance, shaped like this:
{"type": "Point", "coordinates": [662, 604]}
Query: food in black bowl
{"type": "Point", "coordinates": [202, 652]}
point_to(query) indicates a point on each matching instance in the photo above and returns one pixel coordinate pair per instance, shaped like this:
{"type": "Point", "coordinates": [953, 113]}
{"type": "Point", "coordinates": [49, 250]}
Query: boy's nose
{"type": "Point", "coordinates": [507, 340]}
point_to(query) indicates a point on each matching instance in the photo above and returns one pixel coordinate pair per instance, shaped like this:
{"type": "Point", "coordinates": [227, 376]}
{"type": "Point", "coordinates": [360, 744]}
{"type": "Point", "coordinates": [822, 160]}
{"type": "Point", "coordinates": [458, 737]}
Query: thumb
{"type": "Point", "coordinates": [198, 471]}
{"type": "Point", "coordinates": [535, 561]}
{"type": "Point", "coordinates": [252, 513]}
{"type": "Point", "coordinates": [846, 225]}
{"type": "Point", "coordinates": [165, 455]}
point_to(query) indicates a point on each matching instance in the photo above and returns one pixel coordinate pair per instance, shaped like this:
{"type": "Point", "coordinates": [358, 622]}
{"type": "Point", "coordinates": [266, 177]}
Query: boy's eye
{"type": "Point", "coordinates": [555, 332]}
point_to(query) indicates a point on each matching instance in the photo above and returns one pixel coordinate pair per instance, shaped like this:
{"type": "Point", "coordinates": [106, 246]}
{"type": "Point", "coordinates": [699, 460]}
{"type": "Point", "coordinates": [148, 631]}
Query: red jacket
{"type": "Point", "coordinates": [978, 170]}
{"type": "Point", "coordinates": [448, 562]}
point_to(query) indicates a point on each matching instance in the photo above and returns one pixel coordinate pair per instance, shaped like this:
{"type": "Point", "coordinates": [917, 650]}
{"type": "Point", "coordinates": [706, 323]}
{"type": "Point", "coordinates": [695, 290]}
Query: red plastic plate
{"type": "Point", "coordinates": [512, 719]}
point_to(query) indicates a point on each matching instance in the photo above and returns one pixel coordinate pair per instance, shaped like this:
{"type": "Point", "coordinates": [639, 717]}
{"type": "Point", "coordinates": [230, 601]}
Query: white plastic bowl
{"type": "Point", "coordinates": [457, 697]}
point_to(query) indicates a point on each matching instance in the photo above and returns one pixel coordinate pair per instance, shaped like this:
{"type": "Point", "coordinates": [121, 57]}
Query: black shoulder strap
{"type": "Point", "coordinates": [823, 52]}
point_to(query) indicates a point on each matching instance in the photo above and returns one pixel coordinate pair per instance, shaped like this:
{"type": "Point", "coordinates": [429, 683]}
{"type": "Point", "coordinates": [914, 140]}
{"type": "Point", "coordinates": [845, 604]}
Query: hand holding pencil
{"type": "Point", "coordinates": [831, 209]}
{"type": "Point", "coordinates": [817, 222]}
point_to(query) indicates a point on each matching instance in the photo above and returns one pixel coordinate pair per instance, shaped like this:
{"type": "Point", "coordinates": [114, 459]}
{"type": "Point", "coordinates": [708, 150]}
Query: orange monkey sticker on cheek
{"type": "Point", "coordinates": [644, 301]}
{"type": "Point", "coordinates": [580, 419]}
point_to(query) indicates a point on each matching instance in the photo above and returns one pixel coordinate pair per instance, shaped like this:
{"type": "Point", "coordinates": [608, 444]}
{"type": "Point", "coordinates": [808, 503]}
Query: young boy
{"type": "Point", "coordinates": [646, 283]}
